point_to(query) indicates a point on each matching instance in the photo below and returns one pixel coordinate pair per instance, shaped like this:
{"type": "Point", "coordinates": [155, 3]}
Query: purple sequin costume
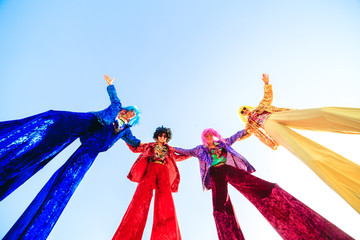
{"type": "Point", "coordinates": [288, 216]}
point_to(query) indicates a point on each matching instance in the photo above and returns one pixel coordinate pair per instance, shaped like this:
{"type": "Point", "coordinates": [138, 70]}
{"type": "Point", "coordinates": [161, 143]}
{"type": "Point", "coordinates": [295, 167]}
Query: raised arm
{"type": "Point", "coordinates": [112, 91]}
{"type": "Point", "coordinates": [108, 115]}
{"type": "Point", "coordinates": [268, 92]}
{"type": "Point", "coordinates": [108, 79]}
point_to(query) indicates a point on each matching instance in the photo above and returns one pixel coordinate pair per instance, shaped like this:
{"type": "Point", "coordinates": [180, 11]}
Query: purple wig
{"type": "Point", "coordinates": [212, 132]}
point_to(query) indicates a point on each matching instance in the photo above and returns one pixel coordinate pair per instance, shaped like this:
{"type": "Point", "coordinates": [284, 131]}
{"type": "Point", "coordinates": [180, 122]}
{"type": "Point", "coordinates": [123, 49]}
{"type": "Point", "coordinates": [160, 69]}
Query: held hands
{"type": "Point", "coordinates": [265, 78]}
{"type": "Point", "coordinates": [108, 79]}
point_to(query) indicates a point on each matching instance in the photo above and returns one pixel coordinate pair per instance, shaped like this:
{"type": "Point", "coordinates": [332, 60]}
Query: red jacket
{"type": "Point", "coordinates": [147, 150]}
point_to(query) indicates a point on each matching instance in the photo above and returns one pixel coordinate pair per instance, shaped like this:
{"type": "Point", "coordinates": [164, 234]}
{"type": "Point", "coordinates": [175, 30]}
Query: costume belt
{"type": "Point", "coordinates": [157, 161]}
{"type": "Point", "coordinates": [219, 164]}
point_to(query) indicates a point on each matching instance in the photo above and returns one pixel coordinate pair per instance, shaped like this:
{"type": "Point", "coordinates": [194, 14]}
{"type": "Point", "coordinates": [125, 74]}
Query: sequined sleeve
{"type": "Point", "coordinates": [180, 157]}
{"type": "Point", "coordinates": [260, 133]}
{"type": "Point", "coordinates": [138, 149]}
{"type": "Point", "coordinates": [194, 152]}
{"type": "Point", "coordinates": [267, 100]}
{"type": "Point", "coordinates": [130, 139]}
{"type": "Point", "coordinates": [240, 135]}
{"type": "Point", "coordinates": [246, 135]}
{"type": "Point", "coordinates": [268, 96]}
{"type": "Point", "coordinates": [113, 95]}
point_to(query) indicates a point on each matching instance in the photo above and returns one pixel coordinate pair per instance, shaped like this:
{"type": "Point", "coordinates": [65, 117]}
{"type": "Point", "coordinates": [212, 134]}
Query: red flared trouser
{"type": "Point", "coordinates": [165, 225]}
{"type": "Point", "coordinates": [292, 219]}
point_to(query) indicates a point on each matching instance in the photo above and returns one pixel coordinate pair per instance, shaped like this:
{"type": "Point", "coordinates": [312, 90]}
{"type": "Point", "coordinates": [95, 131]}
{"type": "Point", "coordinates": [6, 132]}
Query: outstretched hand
{"type": "Point", "coordinates": [265, 78]}
{"type": "Point", "coordinates": [108, 79]}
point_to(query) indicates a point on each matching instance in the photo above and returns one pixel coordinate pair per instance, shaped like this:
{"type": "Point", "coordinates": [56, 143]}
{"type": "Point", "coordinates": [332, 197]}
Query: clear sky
{"type": "Point", "coordinates": [187, 65]}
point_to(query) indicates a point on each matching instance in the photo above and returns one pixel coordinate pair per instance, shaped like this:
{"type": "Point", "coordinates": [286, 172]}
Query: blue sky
{"type": "Point", "coordinates": [187, 65]}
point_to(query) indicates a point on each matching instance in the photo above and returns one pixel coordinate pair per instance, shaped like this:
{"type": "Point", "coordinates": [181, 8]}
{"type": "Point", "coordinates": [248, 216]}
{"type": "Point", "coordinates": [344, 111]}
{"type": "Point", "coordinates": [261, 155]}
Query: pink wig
{"type": "Point", "coordinates": [212, 132]}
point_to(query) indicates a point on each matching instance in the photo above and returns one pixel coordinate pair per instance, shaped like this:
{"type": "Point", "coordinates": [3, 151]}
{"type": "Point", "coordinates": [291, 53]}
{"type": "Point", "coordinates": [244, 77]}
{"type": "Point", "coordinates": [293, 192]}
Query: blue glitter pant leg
{"type": "Point", "coordinates": [40, 217]}
{"type": "Point", "coordinates": [28, 144]}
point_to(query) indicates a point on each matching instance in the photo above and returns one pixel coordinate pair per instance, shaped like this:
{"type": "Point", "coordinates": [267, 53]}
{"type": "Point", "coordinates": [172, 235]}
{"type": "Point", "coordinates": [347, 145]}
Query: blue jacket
{"type": "Point", "coordinates": [104, 138]}
{"type": "Point", "coordinates": [108, 115]}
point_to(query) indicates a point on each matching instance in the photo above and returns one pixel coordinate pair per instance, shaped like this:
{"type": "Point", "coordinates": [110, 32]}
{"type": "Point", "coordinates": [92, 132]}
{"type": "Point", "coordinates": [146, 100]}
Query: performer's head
{"type": "Point", "coordinates": [131, 114]}
{"type": "Point", "coordinates": [208, 135]}
{"type": "Point", "coordinates": [162, 134]}
{"type": "Point", "coordinates": [244, 112]}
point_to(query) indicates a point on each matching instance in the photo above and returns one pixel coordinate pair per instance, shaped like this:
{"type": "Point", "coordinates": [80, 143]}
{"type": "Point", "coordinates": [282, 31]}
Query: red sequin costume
{"type": "Point", "coordinates": [154, 169]}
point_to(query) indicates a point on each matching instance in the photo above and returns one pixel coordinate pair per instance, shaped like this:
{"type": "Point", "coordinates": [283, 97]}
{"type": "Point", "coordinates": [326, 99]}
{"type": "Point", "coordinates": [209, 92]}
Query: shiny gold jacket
{"type": "Point", "coordinates": [255, 123]}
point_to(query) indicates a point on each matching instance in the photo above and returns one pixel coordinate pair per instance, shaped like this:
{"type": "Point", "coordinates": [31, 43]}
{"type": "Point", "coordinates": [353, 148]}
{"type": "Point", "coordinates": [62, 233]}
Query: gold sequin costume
{"type": "Point", "coordinates": [273, 126]}
{"type": "Point", "coordinates": [258, 116]}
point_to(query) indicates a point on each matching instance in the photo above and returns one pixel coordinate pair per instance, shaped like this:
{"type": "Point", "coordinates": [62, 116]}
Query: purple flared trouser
{"type": "Point", "coordinates": [287, 215]}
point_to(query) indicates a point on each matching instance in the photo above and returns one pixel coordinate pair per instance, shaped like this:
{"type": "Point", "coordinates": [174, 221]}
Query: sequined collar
{"type": "Point", "coordinates": [123, 120]}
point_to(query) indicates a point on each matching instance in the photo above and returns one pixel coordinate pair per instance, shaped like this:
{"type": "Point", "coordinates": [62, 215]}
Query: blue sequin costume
{"type": "Point", "coordinates": [27, 145]}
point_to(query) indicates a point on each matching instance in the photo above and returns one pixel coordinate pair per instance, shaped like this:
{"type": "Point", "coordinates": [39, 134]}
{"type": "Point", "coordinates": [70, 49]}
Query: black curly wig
{"type": "Point", "coordinates": [161, 130]}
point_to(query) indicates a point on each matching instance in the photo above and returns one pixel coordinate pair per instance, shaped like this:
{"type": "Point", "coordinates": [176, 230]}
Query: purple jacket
{"type": "Point", "coordinates": [233, 158]}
